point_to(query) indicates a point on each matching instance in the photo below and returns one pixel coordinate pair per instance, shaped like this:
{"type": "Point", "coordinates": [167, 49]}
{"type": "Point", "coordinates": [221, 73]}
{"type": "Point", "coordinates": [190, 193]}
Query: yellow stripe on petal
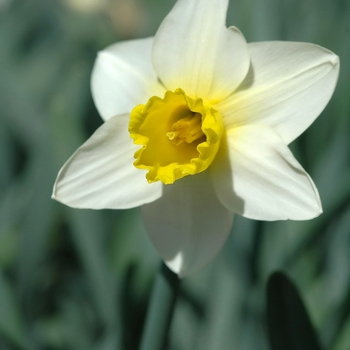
{"type": "Point", "coordinates": [179, 136]}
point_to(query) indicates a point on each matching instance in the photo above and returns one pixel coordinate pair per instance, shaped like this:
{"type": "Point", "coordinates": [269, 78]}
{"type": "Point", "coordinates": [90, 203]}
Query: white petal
{"type": "Point", "coordinates": [100, 174]}
{"type": "Point", "coordinates": [259, 178]}
{"type": "Point", "coordinates": [287, 87]}
{"type": "Point", "coordinates": [123, 77]}
{"type": "Point", "coordinates": [188, 225]}
{"type": "Point", "coordinates": [195, 51]}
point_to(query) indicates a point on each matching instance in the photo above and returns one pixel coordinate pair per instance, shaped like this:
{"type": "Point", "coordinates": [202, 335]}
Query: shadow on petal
{"type": "Point", "coordinates": [188, 225]}
{"type": "Point", "coordinates": [223, 179]}
{"type": "Point", "coordinates": [248, 80]}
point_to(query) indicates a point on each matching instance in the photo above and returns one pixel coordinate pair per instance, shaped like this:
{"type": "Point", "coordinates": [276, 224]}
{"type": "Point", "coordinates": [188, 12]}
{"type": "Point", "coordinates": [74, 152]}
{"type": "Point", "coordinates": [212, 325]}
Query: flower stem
{"type": "Point", "coordinates": [160, 310]}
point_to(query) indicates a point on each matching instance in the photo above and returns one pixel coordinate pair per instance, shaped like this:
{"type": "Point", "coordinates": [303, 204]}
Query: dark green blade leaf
{"type": "Point", "coordinates": [289, 325]}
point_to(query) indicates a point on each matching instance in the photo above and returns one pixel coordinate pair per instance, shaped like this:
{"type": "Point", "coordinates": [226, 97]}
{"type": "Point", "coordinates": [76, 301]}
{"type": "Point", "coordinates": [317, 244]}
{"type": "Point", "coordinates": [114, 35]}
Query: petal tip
{"type": "Point", "coordinates": [335, 61]}
{"type": "Point", "coordinates": [332, 59]}
{"type": "Point", "coordinates": [314, 213]}
{"type": "Point", "coordinates": [53, 194]}
{"type": "Point", "coordinates": [319, 210]}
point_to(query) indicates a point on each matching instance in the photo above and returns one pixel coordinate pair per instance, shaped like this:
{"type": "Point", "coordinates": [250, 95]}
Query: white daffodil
{"type": "Point", "coordinates": [197, 124]}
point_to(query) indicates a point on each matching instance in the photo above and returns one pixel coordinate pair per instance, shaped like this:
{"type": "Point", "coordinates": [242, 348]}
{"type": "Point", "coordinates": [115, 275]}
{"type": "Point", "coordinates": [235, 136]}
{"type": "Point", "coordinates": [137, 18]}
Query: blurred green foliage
{"type": "Point", "coordinates": [78, 279]}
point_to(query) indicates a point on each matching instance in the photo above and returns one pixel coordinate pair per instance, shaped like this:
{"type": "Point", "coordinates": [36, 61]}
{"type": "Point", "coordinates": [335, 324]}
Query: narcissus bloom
{"type": "Point", "coordinates": [197, 124]}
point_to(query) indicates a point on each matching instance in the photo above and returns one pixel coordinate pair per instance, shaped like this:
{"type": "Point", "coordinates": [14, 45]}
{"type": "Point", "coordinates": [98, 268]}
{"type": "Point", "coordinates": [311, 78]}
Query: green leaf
{"type": "Point", "coordinates": [11, 322]}
{"type": "Point", "coordinates": [289, 325]}
{"type": "Point", "coordinates": [88, 232]}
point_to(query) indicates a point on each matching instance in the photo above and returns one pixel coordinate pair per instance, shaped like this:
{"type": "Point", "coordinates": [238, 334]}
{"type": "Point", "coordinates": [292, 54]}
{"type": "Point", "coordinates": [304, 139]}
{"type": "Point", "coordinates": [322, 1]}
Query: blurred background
{"type": "Point", "coordinates": [79, 279]}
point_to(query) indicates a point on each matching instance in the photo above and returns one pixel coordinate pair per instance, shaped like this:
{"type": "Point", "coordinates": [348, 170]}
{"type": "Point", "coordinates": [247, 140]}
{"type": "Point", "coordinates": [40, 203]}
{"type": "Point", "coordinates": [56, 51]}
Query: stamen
{"type": "Point", "coordinates": [187, 129]}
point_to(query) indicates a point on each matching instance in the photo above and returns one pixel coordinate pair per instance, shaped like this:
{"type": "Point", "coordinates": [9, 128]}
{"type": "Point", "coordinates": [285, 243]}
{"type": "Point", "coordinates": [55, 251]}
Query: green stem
{"type": "Point", "coordinates": [160, 310]}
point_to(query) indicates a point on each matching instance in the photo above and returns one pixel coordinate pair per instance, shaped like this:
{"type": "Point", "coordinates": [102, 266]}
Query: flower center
{"type": "Point", "coordinates": [187, 129]}
{"type": "Point", "coordinates": [179, 136]}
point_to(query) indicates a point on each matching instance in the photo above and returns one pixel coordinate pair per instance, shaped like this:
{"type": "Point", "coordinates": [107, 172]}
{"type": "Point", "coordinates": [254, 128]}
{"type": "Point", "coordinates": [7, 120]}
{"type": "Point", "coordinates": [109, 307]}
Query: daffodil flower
{"type": "Point", "coordinates": [196, 128]}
